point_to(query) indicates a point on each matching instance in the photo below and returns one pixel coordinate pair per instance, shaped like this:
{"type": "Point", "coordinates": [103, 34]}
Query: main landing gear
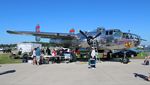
{"type": "Point", "coordinates": [125, 59]}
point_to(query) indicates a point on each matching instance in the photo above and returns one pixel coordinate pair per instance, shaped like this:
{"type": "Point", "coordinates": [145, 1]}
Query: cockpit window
{"type": "Point", "coordinates": [110, 32]}
{"type": "Point", "coordinates": [114, 32]}
{"type": "Point", "coordinates": [118, 34]}
{"type": "Point", "coordinates": [125, 35]}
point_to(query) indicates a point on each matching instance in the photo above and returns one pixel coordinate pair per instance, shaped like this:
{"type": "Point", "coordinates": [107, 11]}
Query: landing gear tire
{"type": "Point", "coordinates": [125, 60]}
{"type": "Point", "coordinates": [25, 58]}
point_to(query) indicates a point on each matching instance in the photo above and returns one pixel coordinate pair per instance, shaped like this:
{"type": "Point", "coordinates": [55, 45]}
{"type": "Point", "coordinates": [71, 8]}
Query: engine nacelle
{"type": "Point", "coordinates": [37, 38]}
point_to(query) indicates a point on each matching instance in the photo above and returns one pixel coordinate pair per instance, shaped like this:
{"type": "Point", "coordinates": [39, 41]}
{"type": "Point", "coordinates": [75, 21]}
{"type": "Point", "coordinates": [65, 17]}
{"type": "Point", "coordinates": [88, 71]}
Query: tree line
{"type": "Point", "coordinates": [7, 45]}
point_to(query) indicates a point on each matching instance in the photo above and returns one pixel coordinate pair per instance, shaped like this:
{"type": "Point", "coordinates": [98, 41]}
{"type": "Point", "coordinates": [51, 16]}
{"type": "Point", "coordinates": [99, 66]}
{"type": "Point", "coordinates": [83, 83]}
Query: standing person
{"type": "Point", "coordinates": [148, 78]}
{"type": "Point", "coordinates": [42, 56]}
{"type": "Point", "coordinates": [92, 60]}
{"type": "Point", "coordinates": [77, 52]}
{"type": "Point", "coordinates": [54, 54]}
{"type": "Point", "coordinates": [34, 56]}
{"type": "Point", "coordinates": [149, 74]}
{"type": "Point", "coordinates": [48, 51]}
{"type": "Point", "coordinates": [43, 51]}
{"type": "Point", "coordinates": [146, 61]}
{"type": "Point", "coordinates": [38, 55]}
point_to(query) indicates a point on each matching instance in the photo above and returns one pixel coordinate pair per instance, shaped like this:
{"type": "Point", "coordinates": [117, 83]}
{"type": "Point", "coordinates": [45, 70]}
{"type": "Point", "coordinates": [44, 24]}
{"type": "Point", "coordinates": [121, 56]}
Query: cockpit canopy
{"type": "Point", "coordinates": [113, 32]}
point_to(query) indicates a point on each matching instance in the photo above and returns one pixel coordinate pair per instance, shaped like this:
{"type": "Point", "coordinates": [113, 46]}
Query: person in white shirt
{"type": "Point", "coordinates": [92, 59]}
{"type": "Point", "coordinates": [93, 53]}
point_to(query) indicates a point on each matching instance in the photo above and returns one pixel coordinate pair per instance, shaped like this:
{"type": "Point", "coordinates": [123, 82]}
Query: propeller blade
{"type": "Point", "coordinates": [97, 35]}
{"type": "Point", "coordinates": [83, 34]}
{"type": "Point", "coordinates": [143, 39]}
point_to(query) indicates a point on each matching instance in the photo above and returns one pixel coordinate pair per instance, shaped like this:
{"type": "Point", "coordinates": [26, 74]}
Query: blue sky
{"type": "Point", "coordinates": [62, 15]}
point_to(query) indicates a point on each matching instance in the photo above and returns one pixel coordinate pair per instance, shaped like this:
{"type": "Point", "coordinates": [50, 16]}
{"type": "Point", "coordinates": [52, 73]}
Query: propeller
{"type": "Point", "coordinates": [139, 39]}
{"type": "Point", "coordinates": [90, 38]}
{"type": "Point", "coordinates": [97, 35]}
{"type": "Point", "coordinates": [83, 33]}
{"type": "Point", "coordinates": [143, 39]}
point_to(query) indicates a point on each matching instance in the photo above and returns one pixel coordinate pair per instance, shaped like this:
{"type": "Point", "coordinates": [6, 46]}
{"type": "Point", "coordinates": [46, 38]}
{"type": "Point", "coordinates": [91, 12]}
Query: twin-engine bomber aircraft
{"type": "Point", "coordinates": [110, 40]}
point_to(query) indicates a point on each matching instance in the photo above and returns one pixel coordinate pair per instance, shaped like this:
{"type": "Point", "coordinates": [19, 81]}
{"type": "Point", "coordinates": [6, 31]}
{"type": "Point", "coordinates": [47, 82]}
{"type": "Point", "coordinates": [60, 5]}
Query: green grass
{"type": "Point", "coordinates": [5, 59]}
{"type": "Point", "coordinates": [141, 55]}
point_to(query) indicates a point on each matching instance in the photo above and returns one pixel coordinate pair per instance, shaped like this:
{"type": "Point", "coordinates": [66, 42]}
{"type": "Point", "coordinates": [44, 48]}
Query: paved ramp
{"type": "Point", "coordinates": [106, 73]}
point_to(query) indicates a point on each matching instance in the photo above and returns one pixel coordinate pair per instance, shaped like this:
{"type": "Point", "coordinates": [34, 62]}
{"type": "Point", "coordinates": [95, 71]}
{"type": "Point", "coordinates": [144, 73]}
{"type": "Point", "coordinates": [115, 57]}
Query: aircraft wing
{"type": "Point", "coordinates": [44, 34]}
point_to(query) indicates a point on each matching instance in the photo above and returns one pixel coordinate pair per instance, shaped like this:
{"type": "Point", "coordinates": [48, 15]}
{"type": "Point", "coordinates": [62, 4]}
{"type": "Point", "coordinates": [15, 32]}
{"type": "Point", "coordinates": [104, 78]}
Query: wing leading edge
{"type": "Point", "coordinates": [44, 34]}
